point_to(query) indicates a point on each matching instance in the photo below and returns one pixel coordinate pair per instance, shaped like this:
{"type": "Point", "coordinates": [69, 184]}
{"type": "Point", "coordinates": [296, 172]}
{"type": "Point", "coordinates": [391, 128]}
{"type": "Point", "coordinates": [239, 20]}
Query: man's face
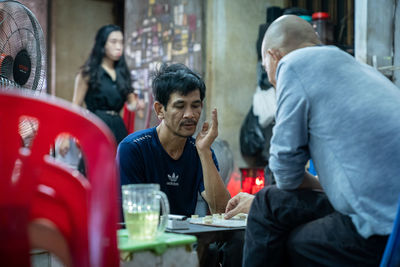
{"type": "Point", "coordinates": [269, 63]}
{"type": "Point", "coordinates": [182, 113]}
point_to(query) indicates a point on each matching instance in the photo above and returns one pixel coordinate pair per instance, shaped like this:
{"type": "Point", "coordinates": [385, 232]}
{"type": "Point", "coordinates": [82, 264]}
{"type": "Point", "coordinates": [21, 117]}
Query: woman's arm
{"type": "Point", "coordinates": [131, 101]}
{"type": "Point", "coordinates": [80, 89]}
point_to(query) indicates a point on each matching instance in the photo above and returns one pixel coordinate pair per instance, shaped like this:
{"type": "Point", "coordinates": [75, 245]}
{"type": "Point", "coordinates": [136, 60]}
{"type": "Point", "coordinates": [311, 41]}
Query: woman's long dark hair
{"type": "Point", "coordinates": [91, 68]}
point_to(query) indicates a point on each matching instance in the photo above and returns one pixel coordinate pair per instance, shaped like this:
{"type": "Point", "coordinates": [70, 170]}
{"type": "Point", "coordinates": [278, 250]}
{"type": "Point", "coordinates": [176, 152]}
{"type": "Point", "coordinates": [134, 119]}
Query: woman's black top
{"type": "Point", "coordinates": [106, 102]}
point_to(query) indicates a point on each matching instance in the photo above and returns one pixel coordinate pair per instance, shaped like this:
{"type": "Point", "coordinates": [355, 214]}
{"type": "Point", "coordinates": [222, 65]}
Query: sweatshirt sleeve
{"type": "Point", "coordinates": [289, 145]}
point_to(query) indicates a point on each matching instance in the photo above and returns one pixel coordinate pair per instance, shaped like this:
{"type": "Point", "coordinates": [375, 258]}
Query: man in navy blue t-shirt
{"type": "Point", "coordinates": [168, 154]}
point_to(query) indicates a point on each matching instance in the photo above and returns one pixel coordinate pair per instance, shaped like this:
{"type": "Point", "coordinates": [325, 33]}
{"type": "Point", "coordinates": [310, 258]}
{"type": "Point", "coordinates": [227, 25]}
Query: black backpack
{"type": "Point", "coordinates": [255, 140]}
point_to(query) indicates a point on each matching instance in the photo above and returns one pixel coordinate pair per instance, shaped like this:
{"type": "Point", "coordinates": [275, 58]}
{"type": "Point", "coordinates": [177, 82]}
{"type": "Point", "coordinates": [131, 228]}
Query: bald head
{"type": "Point", "coordinates": [289, 33]}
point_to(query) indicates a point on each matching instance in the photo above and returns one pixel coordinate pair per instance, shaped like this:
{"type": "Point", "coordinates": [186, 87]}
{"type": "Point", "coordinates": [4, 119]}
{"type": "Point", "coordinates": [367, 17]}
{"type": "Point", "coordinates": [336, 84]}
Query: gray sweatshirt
{"type": "Point", "coordinates": [346, 116]}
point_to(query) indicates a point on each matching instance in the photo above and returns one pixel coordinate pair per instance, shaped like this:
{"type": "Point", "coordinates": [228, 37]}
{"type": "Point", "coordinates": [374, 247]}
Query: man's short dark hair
{"type": "Point", "coordinates": [173, 78]}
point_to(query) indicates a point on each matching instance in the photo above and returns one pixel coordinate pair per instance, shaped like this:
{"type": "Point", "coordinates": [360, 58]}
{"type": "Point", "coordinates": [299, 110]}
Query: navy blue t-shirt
{"type": "Point", "coordinates": [142, 159]}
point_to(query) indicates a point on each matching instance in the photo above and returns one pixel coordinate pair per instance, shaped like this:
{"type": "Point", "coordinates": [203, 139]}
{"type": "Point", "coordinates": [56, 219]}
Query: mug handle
{"type": "Point", "coordinates": [165, 211]}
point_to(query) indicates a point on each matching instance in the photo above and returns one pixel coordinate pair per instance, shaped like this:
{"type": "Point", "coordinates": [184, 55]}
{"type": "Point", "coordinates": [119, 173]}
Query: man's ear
{"type": "Point", "coordinates": [275, 54]}
{"type": "Point", "coordinates": [159, 109]}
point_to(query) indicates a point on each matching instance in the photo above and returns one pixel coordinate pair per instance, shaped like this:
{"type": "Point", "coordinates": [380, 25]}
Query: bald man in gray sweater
{"type": "Point", "coordinates": [345, 116]}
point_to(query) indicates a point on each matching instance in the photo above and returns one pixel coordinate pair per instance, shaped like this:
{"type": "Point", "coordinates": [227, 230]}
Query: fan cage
{"type": "Point", "coordinates": [19, 31]}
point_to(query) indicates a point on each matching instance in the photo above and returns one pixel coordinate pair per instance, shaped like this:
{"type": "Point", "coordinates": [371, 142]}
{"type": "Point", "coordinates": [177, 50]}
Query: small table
{"type": "Point", "coordinates": [208, 234]}
{"type": "Point", "coordinates": [168, 249]}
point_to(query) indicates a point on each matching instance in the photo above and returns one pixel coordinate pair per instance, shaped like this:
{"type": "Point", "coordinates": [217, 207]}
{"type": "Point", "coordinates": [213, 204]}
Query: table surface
{"type": "Point", "coordinates": [199, 229]}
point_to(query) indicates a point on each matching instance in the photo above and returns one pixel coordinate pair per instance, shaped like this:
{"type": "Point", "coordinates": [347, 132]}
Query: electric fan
{"type": "Point", "coordinates": [22, 48]}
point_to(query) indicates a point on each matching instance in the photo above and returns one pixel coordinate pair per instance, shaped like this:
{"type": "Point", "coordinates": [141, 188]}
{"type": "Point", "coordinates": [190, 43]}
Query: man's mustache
{"type": "Point", "coordinates": [189, 122]}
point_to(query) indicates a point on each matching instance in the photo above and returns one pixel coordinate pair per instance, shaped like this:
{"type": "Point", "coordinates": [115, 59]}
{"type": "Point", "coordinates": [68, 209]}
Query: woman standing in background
{"type": "Point", "coordinates": [103, 83]}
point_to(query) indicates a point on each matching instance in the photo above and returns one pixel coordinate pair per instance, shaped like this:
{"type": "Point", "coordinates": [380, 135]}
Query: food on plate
{"type": "Point", "coordinates": [217, 216]}
{"type": "Point", "coordinates": [208, 220]}
{"type": "Point", "coordinates": [240, 216]}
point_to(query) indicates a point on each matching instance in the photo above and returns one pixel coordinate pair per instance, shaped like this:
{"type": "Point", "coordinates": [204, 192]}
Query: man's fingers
{"type": "Point", "coordinates": [231, 204]}
{"type": "Point", "coordinates": [232, 213]}
{"type": "Point", "coordinates": [214, 119]}
{"type": "Point", "coordinates": [205, 127]}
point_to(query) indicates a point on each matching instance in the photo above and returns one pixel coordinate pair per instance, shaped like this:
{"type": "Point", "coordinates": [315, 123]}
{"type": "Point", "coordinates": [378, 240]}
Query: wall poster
{"type": "Point", "coordinates": [158, 31]}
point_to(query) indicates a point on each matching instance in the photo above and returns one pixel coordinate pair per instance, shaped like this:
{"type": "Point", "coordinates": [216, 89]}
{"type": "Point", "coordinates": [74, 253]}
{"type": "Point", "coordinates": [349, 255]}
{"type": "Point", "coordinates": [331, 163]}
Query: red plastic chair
{"type": "Point", "coordinates": [44, 204]}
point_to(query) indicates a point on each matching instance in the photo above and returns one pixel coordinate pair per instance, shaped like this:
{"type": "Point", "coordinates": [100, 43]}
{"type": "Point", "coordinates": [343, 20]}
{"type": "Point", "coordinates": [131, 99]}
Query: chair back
{"type": "Point", "coordinates": [42, 201]}
{"type": "Point", "coordinates": [391, 256]}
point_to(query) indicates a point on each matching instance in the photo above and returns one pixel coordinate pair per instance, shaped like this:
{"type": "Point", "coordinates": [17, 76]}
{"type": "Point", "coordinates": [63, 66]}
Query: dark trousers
{"type": "Point", "coordinates": [231, 250]}
{"type": "Point", "coordinates": [222, 249]}
{"type": "Point", "coordinates": [300, 228]}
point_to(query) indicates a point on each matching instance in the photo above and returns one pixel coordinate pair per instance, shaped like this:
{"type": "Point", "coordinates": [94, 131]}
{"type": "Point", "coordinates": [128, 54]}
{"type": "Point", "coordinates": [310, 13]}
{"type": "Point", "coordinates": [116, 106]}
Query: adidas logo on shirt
{"type": "Point", "coordinates": [172, 179]}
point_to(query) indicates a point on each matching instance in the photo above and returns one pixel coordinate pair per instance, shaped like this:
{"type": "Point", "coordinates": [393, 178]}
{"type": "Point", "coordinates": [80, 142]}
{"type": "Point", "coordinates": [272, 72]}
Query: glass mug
{"type": "Point", "coordinates": [141, 206]}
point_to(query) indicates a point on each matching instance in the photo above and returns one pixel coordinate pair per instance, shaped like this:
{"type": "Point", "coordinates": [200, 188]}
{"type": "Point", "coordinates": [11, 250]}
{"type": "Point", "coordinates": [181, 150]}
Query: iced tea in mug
{"type": "Point", "coordinates": [141, 204]}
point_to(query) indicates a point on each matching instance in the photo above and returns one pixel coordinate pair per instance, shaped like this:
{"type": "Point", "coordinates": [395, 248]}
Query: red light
{"type": "Point", "coordinates": [234, 185]}
{"type": "Point", "coordinates": [252, 180]}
